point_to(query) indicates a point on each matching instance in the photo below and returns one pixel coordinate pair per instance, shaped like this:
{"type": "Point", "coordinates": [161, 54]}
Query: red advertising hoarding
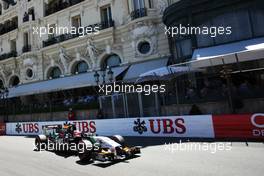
{"type": "Point", "coordinates": [248, 126]}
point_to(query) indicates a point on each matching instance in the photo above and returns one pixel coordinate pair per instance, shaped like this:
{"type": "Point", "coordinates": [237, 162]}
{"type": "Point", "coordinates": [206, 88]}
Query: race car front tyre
{"type": "Point", "coordinates": [85, 148]}
{"type": "Point", "coordinates": [40, 142]}
{"type": "Point", "coordinates": [119, 139]}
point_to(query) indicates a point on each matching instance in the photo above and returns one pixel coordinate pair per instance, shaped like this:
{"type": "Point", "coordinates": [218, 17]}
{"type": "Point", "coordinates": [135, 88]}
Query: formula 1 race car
{"type": "Point", "coordinates": [88, 146]}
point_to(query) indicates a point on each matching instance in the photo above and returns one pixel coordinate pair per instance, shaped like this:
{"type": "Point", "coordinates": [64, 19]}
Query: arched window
{"type": "Point", "coordinates": [14, 81]}
{"type": "Point", "coordinates": [111, 61]}
{"type": "Point", "coordinates": [81, 67]}
{"type": "Point", "coordinates": [55, 73]}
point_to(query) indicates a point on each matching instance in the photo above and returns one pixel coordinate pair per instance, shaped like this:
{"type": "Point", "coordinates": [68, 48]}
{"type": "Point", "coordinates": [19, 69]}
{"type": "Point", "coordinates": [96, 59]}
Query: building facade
{"type": "Point", "coordinates": [40, 64]}
{"type": "Point", "coordinates": [40, 56]}
{"type": "Point", "coordinates": [129, 31]}
{"type": "Point", "coordinates": [224, 39]}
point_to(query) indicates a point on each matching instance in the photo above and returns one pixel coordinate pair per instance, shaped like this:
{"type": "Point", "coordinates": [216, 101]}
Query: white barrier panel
{"type": "Point", "coordinates": [173, 126]}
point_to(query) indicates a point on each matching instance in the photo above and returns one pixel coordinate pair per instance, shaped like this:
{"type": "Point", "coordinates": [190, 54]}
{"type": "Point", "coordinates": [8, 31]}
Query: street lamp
{"type": "Point", "coordinates": [103, 72]}
{"type": "Point", "coordinates": [6, 102]}
{"type": "Point", "coordinates": [2, 99]}
{"type": "Point", "coordinates": [103, 76]}
{"type": "Point", "coordinates": [4, 96]}
{"type": "Point", "coordinates": [226, 74]}
{"type": "Point", "coordinates": [1, 94]}
{"type": "Point", "coordinates": [96, 77]}
{"type": "Point", "coordinates": [110, 74]}
{"type": "Point", "coordinates": [6, 92]}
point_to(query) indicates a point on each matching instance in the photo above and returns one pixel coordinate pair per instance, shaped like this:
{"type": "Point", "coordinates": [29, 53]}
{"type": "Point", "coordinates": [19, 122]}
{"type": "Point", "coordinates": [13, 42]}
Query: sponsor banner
{"type": "Point", "coordinates": [239, 126]}
{"type": "Point", "coordinates": [35, 128]}
{"type": "Point", "coordinates": [2, 129]}
{"type": "Point", "coordinates": [173, 126]}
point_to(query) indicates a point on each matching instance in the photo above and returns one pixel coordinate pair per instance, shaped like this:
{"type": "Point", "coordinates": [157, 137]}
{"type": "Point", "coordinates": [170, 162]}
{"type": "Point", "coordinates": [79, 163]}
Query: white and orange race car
{"type": "Point", "coordinates": [88, 146]}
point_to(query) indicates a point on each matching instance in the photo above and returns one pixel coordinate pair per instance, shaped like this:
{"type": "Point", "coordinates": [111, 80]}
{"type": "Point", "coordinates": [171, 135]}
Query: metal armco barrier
{"type": "Point", "coordinates": [173, 126]}
{"type": "Point", "coordinates": [244, 127]}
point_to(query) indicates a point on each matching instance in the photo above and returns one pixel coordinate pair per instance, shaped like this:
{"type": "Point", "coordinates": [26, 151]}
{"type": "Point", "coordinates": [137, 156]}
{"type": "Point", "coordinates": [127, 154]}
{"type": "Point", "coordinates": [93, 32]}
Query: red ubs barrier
{"type": "Point", "coordinates": [248, 126]}
{"type": "Point", "coordinates": [2, 129]}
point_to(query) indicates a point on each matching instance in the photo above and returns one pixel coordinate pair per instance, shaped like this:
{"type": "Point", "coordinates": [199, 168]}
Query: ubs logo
{"type": "Point", "coordinates": [257, 132]}
{"type": "Point", "coordinates": [140, 126]}
{"type": "Point", "coordinates": [253, 120]}
{"type": "Point", "coordinates": [18, 128]}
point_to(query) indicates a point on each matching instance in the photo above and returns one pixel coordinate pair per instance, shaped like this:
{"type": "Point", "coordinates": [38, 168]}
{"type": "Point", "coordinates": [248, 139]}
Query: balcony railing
{"type": "Point", "coordinates": [8, 27]}
{"type": "Point", "coordinates": [8, 55]}
{"type": "Point", "coordinates": [139, 13]}
{"type": "Point", "coordinates": [104, 24]}
{"type": "Point", "coordinates": [59, 5]}
{"type": "Point", "coordinates": [65, 37]}
{"type": "Point", "coordinates": [57, 39]}
{"type": "Point", "coordinates": [26, 48]}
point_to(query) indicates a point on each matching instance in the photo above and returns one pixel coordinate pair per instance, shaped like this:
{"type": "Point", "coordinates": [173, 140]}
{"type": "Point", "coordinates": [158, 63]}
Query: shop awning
{"type": "Point", "coordinates": [137, 69]}
{"type": "Point", "coordinates": [247, 50]}
{"type": "Point", "coordinates": [166, 73]}
{"type": "Point", "coordinates": [54, 85]}
{"type": "Point", "coordinates": [163, 71]}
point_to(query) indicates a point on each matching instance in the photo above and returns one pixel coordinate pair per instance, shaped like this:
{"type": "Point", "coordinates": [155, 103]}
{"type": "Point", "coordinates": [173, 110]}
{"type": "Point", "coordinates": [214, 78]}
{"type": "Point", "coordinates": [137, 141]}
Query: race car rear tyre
{"type": "Point", "coordinates": [85, 148]}
{"type": "Point", "coordinates": [40, 142]}
{"type": "Point", "coordinates": [119, 139]}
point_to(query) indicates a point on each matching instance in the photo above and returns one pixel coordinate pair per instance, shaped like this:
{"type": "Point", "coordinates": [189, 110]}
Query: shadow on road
{"type": "Point", "coordinates": [107, 164]}
{"type": "Point", "coordinates": [146, 142]}
{"type": "Point", "coordinates": [67, 154]}
{"type": "Point", "coordinates": [84, 163]}
{"type": "Point", "coordinates": [154, 141]}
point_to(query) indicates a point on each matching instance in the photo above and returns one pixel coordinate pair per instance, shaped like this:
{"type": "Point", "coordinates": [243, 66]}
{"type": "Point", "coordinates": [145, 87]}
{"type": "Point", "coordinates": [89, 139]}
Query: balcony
{"type": "Point", "coordinates": [103, 25]}
{"type": "Point", "coordinates": [26, 17]}
{"type": "Point", "coordinates": [26, 48]}
{"type": "Point", "coordinates": [138, 13]}
{"type": "Point", "coordinates": [58, 39]}
{"type": "Point", "coordinates": [65, 37]}
{"type": "Point", "coordinates": [8, 27]}
{"type": "Point", "coordinates": [58, 5]}
{"type": "Point", "coordinates": [8, 55]}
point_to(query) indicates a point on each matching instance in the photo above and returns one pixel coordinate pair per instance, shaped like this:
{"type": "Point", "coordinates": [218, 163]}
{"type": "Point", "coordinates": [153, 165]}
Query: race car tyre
{"type": "Point", "coordinates": [119, 139]}
{"type": "Point", "coordinates": [40, 142]}
{"type": "Point", "coordinates": [85, 148]}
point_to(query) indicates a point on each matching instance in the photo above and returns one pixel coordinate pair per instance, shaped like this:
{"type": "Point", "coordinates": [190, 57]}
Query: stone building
{"type": "Point", "coordinates": [129, 33]}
